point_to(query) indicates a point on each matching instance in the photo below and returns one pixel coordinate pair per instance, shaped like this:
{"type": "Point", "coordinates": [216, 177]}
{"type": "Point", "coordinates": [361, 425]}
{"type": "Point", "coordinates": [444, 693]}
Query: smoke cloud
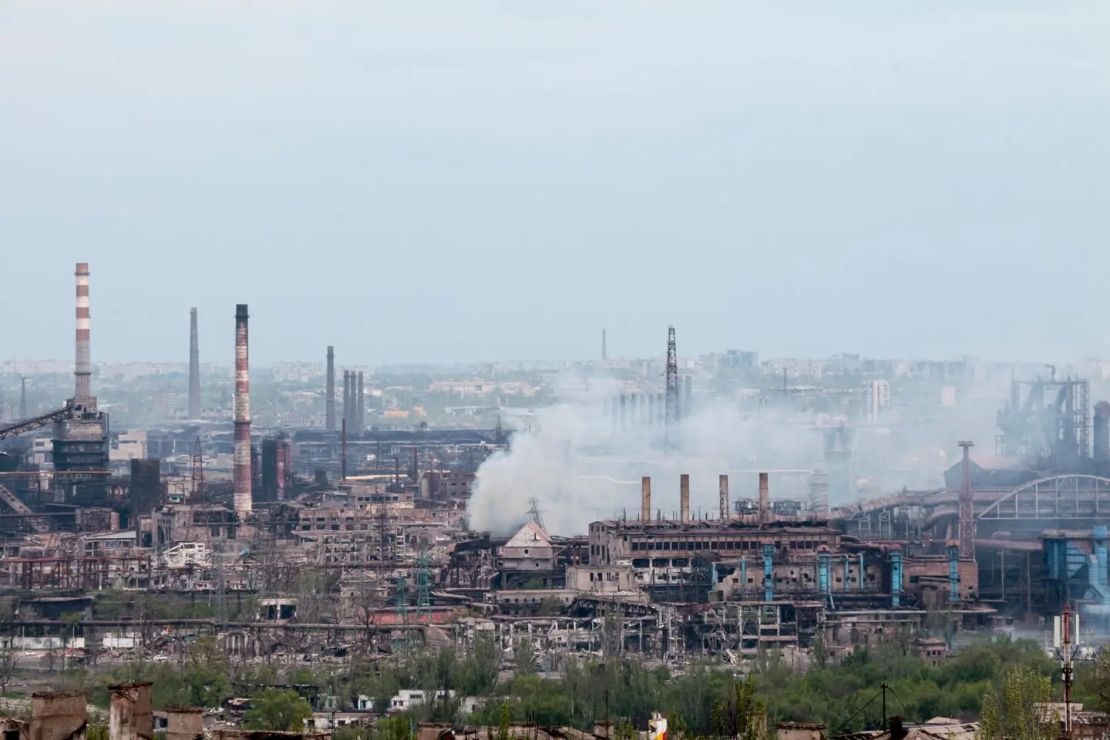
{"type": "Point", "coordinates": [581, 465]}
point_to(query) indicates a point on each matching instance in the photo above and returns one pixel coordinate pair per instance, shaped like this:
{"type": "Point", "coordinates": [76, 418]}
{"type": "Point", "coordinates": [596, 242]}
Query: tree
{"type": "Point", "coordinates": [1012, 712]}
{"type": "Point", "coordinates": [741, 714]}
{"type": "Point", "coordinates": [524, 656]}
{"type": "Point", "coordinates": [282, 710]}
{"type": "Point", "coordinates": [9, 661]}
{"type": "Point", "coordinates": [1102, 677]}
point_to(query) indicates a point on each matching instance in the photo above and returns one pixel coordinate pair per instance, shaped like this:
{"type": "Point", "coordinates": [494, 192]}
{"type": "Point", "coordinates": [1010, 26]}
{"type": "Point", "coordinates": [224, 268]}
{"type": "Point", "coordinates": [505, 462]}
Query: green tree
{"type": "Point", "coordinates": [740, 714]}
{"type": "Point", "coordinates": [524, 656]}
{"type": "Point", "coordinates": [1011, 712]}
{"type": "Point", "coordinates": [282, 710]}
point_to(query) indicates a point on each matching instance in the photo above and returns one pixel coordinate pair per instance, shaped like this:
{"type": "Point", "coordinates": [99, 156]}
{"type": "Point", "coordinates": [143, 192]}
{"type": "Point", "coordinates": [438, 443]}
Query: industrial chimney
{"type": "Point", "coordinates": [242, 457]}
{"type": "Point", "coordinates": [764, 499]}
{"type": "Point", "coordinates": [82, 395]}
{"type": "Point", "coordinates": [194, 367]}
{"type": "Point", "coordinates": [1101, 434]}
{"type": "Point", "coordinates": [645, 499]}
{"type": "Point", "coordinates": [684, 497]}
{"type": "Point", "coordinates": [329, 400]}
{"type": "Point", "coordinates": [360, 406]}
{"type": "Point", "coordinates": [723, 491]}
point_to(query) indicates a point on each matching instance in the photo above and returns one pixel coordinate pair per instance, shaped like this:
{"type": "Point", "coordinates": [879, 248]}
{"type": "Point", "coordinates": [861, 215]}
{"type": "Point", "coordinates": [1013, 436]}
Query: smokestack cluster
{"type": "Point", "coordinates": [764, 499]}
{"type": "Point", "coordinates": [723, 493]}
{"type": "Point", "coordinates": [684, 497]}
{"type": "Point", "coordinates": [242, 456]}
{"type": "Point", "coordinates": [194, 367]}
{"type": "Point", "coordinates": [329, 400]}
{"type": "Point", "coordinates": [645, 499]}
{"type": "Point", "coordinates": [82, 394]}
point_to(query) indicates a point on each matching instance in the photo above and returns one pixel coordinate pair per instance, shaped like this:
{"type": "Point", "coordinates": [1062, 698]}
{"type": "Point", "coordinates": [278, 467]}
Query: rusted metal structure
{"type": "Point", "coordinates": [645, 499]}
{"type": "Point", "coordinates": [242, 451]}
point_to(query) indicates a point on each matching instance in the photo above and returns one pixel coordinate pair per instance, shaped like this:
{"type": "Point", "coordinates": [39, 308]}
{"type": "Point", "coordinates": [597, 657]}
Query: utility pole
{"type": "Point", "coordinates": [1066, 653]}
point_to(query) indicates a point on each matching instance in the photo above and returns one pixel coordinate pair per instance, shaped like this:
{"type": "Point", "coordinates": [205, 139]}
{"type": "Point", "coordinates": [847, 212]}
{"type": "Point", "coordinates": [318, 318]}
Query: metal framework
{"type": "Point", "coordinates": [1072, 496]}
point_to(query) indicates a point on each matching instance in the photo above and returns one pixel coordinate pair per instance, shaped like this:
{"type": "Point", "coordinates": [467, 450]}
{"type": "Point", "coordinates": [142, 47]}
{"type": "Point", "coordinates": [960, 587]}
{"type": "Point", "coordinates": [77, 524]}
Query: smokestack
{"type": "Point", "coordinates": [723, 491]}
{"type": "Point", "coordinates": [1101, 434]}
{"type": "Point", "coordinates": [343, 450]}
{"type": "Point", "coordinates": [967, 508]}
{"type": "Point", "coordinates": [82, 394]}
{"type": "Point", "coordinates": [329, 399]}
{"type": "Point", "coordinates": [23, 397]}
{"type": "Point", "coordinates": [194, 367]}
{"type": "Point", "coordinates": [360, 406]}
{"type": "Point", "coordinates": [347, 397]}
{"type": "Point", "coordinates": [604, 348]}
{"type": "Point", "coordinates": [645, 499]}
{"type": "Point", "coordinates": [684, 497]}
{"type": "Point", "coordinates": [764, 500]}
{"type": "Point", "coordinates": [242, 458]}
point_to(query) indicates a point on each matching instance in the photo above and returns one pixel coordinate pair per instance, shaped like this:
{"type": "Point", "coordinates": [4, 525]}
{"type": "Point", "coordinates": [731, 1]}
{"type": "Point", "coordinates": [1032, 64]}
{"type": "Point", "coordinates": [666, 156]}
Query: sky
{"type": "Point", "coordinates": [439, 181]}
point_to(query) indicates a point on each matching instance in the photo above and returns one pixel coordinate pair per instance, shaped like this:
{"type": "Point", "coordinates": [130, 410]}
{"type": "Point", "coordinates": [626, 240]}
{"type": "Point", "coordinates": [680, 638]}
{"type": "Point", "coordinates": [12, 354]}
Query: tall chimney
{"type": "Point", "coordinates": [329, 400]}
{"type": "Point", "coordinates": [346, 396]}
{"type": "Point", "coordinates": [645, 499]}
{"type": "Point", "coordinates": [723, 490]}
{"type": "Point", "coordinates": [194, 367]}
{"type": "Point", "coordinates": [967, 507]}
{"type": "Point", "coordinates": [242, 458]}
{"type": "Point", "coordinates": [684, 496]}
{"type": "Point", "coordinates": [23, 397]}
{"type": "Point", "coordinates": [360, 406]}
{"type": "Point", "coordinates": [604, 348]}
{"type": "Point", "coordinates": [764, 500]}
{"type": "Point", "coordinates": [82, 394]}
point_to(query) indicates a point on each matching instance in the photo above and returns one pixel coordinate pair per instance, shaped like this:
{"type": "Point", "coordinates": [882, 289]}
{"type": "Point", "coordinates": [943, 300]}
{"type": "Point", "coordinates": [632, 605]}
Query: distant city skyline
{"type": "Point", "coordinates": [432, 183]}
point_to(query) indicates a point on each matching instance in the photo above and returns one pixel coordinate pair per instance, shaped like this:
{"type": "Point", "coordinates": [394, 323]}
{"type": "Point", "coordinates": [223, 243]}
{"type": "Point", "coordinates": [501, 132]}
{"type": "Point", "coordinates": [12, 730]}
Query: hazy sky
{"type": "Point", "coordinates": [469, 180]}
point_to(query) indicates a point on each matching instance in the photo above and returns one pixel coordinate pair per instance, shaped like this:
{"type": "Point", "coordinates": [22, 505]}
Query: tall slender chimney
{"type": "Point", "coordinates": [604, 348]}
{"type": "Point", "coordinates": [242, 457]}
{"type": "Point", "coordinates": [764, 499]}
{"type": "Point", "coordinates": [360, 405]}
{"type": "Point", "coordinates": [23, 397]}
{"type": "Point", "coordinates": [645, 499]}
{"type": "Point", "coordinates": [82, 394]}
{"type": "Point", "coordinates": [967, 507]}
{"type": "Point", "coordinates": [346, 397]}
{"type": "Point", "coordinates": [329, 400]}
{"type": "Point", "coordinates": [723, 491]}
{"type": "Point", "coordinates": [684, 496]}
{"type": "Point", "coordinates": [194, 367]}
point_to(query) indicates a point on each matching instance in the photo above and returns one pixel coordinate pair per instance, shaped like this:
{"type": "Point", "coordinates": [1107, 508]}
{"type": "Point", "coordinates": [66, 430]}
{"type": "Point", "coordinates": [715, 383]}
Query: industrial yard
{"type": "Point", "coordinates": [348, 541]}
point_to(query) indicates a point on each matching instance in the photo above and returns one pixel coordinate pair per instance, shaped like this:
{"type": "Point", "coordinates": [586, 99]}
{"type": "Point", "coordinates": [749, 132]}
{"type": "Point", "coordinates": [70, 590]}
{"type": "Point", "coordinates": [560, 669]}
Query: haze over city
{"type": "Point", "coordinates": [537, 370]}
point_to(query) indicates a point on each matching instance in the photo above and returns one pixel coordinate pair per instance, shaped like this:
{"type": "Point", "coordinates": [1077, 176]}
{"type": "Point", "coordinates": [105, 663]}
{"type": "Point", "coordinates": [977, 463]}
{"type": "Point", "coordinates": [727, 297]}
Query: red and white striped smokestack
{"type": "Point", "coordinates": [82, 394]}
{"type": "Point", "coordinates": [242, 457]}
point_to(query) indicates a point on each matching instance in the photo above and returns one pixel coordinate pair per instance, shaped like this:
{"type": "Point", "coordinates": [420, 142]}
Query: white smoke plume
{"type": "Point", "coordinates": [581, 466]}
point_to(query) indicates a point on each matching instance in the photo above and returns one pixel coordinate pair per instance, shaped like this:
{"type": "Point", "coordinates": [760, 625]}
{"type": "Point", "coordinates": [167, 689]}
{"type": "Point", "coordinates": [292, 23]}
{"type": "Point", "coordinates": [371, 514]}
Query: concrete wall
{"type": "Point", "coordinates": [58, 716]}
{"type": "Point", "coordinates": [184, 723]}
{"type": "Point", "coordinates": [130, 715]}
